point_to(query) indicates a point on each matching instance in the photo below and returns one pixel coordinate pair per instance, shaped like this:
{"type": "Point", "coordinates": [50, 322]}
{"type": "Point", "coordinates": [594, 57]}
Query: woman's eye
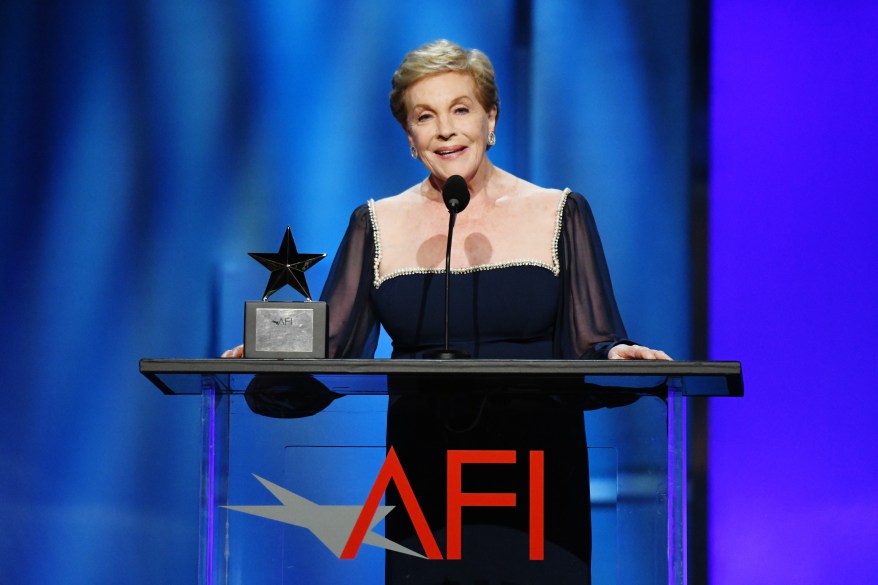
{"type": "Point", "coordinates": [424, 117]}
{"type": "Point", "coordinates": [461, 110]}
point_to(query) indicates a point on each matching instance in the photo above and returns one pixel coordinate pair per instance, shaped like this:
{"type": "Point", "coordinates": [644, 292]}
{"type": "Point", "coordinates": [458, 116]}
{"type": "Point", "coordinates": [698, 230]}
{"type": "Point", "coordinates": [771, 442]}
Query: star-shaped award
{"type": "Point", "coordinates": [287, 267]}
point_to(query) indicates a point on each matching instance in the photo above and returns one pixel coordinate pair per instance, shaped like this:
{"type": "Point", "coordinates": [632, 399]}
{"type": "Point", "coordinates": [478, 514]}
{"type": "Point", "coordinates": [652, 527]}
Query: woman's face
{"type": "Point", "coordinates": [448, 126]}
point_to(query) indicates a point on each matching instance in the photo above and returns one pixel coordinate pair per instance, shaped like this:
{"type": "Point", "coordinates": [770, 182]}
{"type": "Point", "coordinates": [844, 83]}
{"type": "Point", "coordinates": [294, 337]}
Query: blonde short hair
{"type": "Point", "coordinates": [439, 57]}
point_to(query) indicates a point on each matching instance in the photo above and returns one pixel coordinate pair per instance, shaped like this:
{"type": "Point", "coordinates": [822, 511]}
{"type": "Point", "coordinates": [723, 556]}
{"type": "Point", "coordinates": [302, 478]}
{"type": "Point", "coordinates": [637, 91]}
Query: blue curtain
{"type": "Point", "coordinates": [147, 146]}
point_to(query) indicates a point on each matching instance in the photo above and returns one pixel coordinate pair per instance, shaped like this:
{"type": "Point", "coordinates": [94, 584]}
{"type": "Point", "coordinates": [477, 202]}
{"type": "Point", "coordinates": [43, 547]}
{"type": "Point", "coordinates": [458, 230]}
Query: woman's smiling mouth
{"type": "Point", "coordinates": [449, 151]}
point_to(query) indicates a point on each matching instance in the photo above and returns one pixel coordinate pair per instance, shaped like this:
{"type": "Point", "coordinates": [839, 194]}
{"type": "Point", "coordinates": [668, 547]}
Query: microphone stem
{"type": "Point", "coordinates": [452, 215]}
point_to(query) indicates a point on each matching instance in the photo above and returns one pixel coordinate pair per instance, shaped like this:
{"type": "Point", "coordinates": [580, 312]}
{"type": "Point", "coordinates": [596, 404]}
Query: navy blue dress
{"type": "Point", "coordinates": [495, 310]}
{"type": "Point", "coordinates": [515, 311]}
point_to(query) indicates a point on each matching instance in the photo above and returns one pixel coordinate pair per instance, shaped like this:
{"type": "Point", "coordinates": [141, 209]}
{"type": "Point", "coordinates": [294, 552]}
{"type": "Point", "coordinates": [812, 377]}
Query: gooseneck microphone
{"type": "Point", "coordinates": [455, 193]}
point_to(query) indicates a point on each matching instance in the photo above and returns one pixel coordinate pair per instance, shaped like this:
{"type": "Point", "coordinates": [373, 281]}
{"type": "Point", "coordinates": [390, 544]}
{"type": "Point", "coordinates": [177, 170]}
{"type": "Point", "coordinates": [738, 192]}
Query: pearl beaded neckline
{"type": "Point", "coordinates": [554, 268]}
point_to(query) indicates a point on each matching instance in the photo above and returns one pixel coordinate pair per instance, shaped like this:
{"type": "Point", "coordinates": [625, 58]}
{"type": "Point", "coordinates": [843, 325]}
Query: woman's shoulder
{"type": "Point", "coordinates": [397, 209]}
{"type": "Point", "coordinates": [404, 200]}
{"type": "Point", "coordinates": [361, 215]}
{"type": "Point", "coordinates": [576, 202]}
{"type": "Point", "coordinates": [530, 190]}
{"type": "Point", "coordinates": [552, 194]}
{"type": "Point", "coordinates": [568, 204]}
{"type": "Point", "coordinates": [535, 197]}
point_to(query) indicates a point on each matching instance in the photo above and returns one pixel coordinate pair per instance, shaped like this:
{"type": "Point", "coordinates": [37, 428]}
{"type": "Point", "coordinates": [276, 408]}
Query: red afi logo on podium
{"type": "Point", "coordinates": [343, 529]}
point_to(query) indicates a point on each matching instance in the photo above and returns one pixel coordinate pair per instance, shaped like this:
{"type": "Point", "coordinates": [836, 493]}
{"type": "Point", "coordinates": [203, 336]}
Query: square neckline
{"type": "Point", "coordinates": [554, 267]}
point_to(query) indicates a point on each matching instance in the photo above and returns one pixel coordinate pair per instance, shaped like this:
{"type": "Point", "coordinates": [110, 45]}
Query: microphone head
{"type": "Point", "coordinates": [455, 193]}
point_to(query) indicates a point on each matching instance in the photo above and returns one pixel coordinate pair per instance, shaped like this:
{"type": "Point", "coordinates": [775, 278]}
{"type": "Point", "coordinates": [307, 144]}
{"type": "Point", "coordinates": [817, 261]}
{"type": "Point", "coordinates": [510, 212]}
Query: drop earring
{"type": "Point", "coordinates": [414, 152]}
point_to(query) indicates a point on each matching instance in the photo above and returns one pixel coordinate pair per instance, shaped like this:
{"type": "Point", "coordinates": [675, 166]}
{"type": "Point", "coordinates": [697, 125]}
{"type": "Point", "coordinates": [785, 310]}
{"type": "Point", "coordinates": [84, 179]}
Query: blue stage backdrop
{"type": "Point", "coordinates": [145, 147]}
{"type": "Point", "coordinates": [793, 287]}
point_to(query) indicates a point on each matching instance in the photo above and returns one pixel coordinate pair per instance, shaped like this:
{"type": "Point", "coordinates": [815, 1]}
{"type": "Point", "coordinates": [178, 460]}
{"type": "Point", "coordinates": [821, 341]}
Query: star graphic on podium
{"type": "Point", "coordinates": [332, 525]}
{"type": "Point", "coordinates": [287, 267]}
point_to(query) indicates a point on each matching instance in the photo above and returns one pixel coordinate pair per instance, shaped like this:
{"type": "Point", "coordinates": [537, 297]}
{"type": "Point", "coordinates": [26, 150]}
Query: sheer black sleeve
{"type": "Point", "coordinates": [353, 326]}
{"type": "Point", "coordinates": [589, 323]}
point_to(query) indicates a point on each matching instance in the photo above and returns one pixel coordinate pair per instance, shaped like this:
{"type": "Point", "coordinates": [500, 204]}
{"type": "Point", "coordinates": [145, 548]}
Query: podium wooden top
{"type": "Point", "coordinates": [692, 378]}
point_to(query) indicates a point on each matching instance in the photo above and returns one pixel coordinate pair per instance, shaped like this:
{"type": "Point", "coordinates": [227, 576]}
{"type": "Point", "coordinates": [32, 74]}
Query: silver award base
{"type": "Point", "coordinates": [285, 329]}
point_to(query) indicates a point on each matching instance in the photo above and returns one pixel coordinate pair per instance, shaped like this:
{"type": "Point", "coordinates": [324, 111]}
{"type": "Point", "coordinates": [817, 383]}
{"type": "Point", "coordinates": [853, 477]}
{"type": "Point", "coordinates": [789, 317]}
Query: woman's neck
{"type": "Point", "coordinates": [489, 184]}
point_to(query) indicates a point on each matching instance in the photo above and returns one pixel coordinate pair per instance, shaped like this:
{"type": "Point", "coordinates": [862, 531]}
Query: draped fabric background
{"type": "Point", "coordinates": [148, 146]}
{"type": "Point", "coordinates": [145, 147]}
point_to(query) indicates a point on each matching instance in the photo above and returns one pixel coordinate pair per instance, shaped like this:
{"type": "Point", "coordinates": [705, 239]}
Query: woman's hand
{"type": "Point", "coordinates": [623, 351]}
{"type": "Point", "coordinates": [235, 352]}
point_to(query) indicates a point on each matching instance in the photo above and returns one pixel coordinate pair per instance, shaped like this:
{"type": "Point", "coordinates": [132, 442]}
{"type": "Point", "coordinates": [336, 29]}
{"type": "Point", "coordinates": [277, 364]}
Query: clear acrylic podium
{"type": "Point", "coordinates": [292, 450]}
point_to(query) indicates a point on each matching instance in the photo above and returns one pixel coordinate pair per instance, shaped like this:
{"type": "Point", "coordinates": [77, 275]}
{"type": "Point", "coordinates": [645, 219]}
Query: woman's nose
{"type": "Point", "coordinates": [445, 127]}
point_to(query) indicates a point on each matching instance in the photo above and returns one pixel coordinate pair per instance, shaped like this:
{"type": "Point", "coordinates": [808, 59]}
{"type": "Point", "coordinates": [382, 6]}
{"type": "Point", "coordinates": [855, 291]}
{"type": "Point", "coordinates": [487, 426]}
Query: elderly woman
{"type": "Point", "coordinates": [529, 280]}
{"type": "Point", "coordinates": [528, 270]}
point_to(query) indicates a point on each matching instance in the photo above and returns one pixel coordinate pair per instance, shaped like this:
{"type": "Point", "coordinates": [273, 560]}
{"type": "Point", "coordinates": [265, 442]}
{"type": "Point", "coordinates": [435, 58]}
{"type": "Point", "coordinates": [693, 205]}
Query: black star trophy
{"type": "Point", "coordinates": [286, 329]}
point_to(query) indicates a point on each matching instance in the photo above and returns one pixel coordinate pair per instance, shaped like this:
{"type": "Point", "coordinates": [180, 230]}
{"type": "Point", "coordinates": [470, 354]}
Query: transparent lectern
{"type": "Point", "coordinates": [297, 471]}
